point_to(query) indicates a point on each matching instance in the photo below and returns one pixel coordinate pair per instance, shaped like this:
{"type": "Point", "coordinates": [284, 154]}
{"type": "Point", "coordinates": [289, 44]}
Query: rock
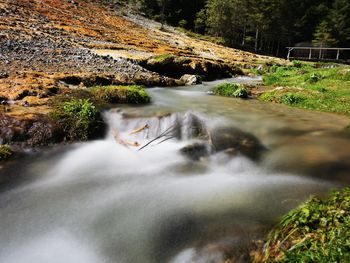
{"type": "Point", "coordinates": [196, 151]}
{"type": "Point", "coordinates": [234, 141]}
{"type": "Point", "coordinates": [175, 67]}
{"type": "Point", "coordinates": [188, 79]}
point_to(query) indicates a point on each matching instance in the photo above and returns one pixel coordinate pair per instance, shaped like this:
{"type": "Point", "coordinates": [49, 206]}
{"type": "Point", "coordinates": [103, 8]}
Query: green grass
{"type": "Point", "coordinates": [121, 94]}
{"type": "Point", "coordinates": [5, 152]}
{"type": "Point", "coordinates": [311, 86]}
{"type": "Point", "coordinates": [231, 90]}
{"type": "Point", "coordinates": [318, 231]}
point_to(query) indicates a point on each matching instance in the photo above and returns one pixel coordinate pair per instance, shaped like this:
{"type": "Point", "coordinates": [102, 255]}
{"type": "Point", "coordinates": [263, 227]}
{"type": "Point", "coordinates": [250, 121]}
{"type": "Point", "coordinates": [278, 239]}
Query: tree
{"type": "Point", "coordinates": [323, 35]}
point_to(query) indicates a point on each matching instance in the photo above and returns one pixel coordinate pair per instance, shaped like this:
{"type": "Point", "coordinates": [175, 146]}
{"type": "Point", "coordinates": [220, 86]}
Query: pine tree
{"type": "Point", "coordinates": [323, 35]}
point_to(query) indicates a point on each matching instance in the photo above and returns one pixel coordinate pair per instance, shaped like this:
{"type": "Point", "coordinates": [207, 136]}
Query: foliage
{"type": "Point", "coordinates": [231, 90]}
{"type": "Point", "coordinates": [121, 94]}
{"type": "Point", "coordinates": [323, 35]}
{"type": "Point", "coordinates": [323, 88]}
{"type": "Point", "coordinates": [317, 231]}
{"type": "Point", "coordinates": [79, 119]}
{"type": "Point", "coordinates": [5, 152]}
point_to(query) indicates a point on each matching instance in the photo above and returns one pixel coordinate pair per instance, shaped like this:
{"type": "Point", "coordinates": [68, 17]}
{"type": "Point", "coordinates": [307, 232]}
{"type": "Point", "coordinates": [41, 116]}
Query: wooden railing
{"type": "Point", "coordinates": [318, 53]}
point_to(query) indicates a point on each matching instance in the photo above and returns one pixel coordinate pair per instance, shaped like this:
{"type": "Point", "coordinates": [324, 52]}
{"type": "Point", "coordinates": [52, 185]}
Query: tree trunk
{"type": "Point", "coordinates": [256, 38]}
{"type": "Point", "coordinates": [244, 32]}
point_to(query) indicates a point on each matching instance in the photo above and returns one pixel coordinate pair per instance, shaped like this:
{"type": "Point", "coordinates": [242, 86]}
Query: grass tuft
{"type": "Point", "coordinates": [231, 90]}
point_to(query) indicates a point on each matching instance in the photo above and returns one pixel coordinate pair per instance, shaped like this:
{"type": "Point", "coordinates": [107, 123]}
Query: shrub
{"type": "Point", "coordinates": [314, 77]}
{"type": "Point", "coordinates": [231, 90]}
{"type": "Point", "coordinates": [318, 231]}
{"type": "Point", "coordinates": [297, 63]}
{"type": "Point", "coordinates": [122, 94]}
{"type": "Point", "coordinates": [79, 119]}
{"type": "Point", "coordinates": [291, 98]}
{"type": "Point", "coordinates": [5, 152]}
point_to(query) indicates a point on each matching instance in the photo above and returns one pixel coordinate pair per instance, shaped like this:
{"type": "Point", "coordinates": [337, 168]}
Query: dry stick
{"type": "Point", "coordinates": [139, 129]}
{"type": "Point", "coordinates": [165, 133]}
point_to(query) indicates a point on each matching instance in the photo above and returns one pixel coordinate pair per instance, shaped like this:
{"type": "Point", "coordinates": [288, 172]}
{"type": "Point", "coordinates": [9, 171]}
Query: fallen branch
{"type": "Point", "coordinates": [139, 129]}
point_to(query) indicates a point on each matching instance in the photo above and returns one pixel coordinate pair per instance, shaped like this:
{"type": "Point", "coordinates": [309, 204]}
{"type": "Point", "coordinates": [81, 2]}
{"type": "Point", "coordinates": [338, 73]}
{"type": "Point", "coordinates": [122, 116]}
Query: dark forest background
{"type": "Point", "coordinates": [264, 26]}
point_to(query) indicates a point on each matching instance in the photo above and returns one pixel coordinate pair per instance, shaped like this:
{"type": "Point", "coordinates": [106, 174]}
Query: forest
{"type": "Point", "coordinates": [263, 26]}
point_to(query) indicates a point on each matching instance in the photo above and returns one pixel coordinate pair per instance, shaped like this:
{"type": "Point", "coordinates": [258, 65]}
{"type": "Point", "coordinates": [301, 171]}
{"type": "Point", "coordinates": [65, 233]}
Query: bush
{"type": "Point", "coordinates": [79, 119]}
{"type": "Point", "coordinates": [231, 90]}
{"type": "Point", "coordinates": [122, 94]}
{"type": "Point", "coordinates": [291, 98]}
{"type": "Point", "coordinates": [318, 231]}
{"type": "Point", "coordinates": [314, 77]}
{"type": "Point", "coordinates": [5, 152]}
{"type": "Point", "coordinates": [297, 63]}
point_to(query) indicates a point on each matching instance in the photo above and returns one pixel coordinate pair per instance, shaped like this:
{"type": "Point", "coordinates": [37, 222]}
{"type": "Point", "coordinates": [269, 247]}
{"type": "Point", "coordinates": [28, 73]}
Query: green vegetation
{"type": "Point", "coordinates": [79, 118]}
{"type": "Point", "coordinates": [316, 86]}
{"type": "Point", "coordinates": [121, 94]}
{"type": "Point", "coordinates": [5, 152]}
{"type": "Point", "coordinates": [79, 114]}
{"type": "Point", "coordinates": [318, 231]}
{"type": "Point", "coordinates": [231, 90]}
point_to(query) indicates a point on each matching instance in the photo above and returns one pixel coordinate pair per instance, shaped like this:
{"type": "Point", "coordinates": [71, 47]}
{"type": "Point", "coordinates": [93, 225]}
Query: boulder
{"type": "Point", "coordinates": [196, 151]}
{"type": "Point", "coordinates": [188, 79]}
{"type": "Point", "coordinates": [234, 141]}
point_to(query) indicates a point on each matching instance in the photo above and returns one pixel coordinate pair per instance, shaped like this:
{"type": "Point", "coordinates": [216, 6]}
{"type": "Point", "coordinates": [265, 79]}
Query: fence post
{"type": "Point", "coordinates": [310, 54]}
{"type": "Point", "coordinates": [338, 54]}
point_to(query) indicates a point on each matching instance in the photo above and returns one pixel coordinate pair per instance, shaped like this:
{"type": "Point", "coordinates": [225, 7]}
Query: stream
{"type": "Point", "coordinates": [107, 201]}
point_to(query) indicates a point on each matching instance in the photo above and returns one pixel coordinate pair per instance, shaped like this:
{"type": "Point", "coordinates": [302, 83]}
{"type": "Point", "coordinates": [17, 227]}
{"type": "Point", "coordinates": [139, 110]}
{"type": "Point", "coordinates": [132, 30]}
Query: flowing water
{"type": "Point", "coordinates": [108, 201]}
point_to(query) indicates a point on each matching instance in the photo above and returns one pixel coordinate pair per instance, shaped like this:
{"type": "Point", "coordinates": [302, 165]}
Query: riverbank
{"type": "Point", "coordinates": [315, 86]}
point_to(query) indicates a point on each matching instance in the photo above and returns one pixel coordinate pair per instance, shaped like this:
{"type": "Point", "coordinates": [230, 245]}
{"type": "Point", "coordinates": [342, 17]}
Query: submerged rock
{"type": "Point", "coordinates": [234, 141]}
{"type": "Point", "coordinates": [196, 151]}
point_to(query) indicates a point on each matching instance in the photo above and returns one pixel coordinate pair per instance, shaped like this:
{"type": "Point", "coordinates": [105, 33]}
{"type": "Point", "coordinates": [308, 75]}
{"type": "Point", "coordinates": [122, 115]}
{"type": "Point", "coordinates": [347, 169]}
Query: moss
{"type": "Point", "coordinates": [79, 118]}
{"type": "Point", "coordinates": [5, 152]}
{"type": "Point", "coordinates": [231, 90]}
{"type": "Point", "coordinates": [121, 94]}
{"type": "Point", "coordinates": [317, 231]}
{"type": "Point", "coordinates": [164, 57]}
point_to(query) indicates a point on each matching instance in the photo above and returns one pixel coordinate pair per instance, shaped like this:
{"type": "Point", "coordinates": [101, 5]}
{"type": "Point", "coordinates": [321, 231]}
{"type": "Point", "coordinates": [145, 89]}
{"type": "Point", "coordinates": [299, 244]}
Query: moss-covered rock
{"type": "Point", "coordinates": [317, 231]}
{"type": "Point", "coordinates": [121, 94]}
